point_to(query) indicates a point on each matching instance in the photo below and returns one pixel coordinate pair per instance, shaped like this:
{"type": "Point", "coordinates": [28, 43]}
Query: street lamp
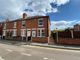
{"type": "Point", "coordinates": [57, 34]}
{"type": "Point", "coordinates": [71, 30]}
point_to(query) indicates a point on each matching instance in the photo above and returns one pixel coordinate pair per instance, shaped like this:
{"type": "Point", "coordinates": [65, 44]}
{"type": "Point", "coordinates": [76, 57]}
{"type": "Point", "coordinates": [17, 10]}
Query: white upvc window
{"type": "Point", "coordinates": [14, 32]}
{"type": "Point", "coordinates": [23, 32]}
{"type": "Point", "coordinates": [41, 32]}
{"type": "Point", "coordinates": [4, 32]}
{"type": "Point", "coordinates": [40, 22]}
{"type": "Point", "coordinates": [5, 26]}
{"type": "Point", "coordinates": [23, 24]}
{"type": "Point", "coordinates": [15, 23]}
{"type": "Point", "coordinates": [33, 33]}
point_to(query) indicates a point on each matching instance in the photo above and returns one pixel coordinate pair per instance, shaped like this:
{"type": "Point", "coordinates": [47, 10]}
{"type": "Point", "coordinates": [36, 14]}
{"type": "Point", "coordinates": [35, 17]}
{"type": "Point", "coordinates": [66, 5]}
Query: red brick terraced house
{"type": "Point", "coordinates": [35, 28]}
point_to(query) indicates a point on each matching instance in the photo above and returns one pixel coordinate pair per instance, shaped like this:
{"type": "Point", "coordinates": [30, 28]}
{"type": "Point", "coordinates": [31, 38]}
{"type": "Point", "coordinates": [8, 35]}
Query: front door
{"type": "Point", "coordinates": [28, 35]}
{"type": "Point", "coordinates": [23, 35]}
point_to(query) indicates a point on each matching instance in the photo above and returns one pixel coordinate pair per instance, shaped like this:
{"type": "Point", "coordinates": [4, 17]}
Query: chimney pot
{"type": "Point", "coordinates": [24, 15]}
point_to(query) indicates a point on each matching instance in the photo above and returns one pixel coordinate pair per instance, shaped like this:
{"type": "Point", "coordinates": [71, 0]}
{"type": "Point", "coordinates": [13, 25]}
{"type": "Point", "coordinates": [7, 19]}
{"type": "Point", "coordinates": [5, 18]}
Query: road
{"type": "Point", "coordinates": [25, 52]}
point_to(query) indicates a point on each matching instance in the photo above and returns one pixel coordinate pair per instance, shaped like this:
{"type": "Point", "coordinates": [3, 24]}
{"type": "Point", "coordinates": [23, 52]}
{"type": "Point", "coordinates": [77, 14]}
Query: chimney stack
{"type": "Point", "coordinates": [24, 15]}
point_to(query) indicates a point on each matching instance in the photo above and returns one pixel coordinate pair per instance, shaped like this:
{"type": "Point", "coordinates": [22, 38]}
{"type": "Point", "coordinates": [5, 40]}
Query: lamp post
{"type": "Point", "coordinates": [57, 35]}
{"type": "Point", "coordinates": [72, 36]}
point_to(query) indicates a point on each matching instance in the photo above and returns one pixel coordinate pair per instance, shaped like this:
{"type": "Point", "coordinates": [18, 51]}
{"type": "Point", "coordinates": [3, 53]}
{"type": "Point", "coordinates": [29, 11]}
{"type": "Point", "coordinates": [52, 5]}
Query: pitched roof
{"type": "Point", "coordinates": [28, 18]}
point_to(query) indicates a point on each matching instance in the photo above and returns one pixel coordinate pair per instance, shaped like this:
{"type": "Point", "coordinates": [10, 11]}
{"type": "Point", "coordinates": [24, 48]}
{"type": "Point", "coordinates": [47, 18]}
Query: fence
{"type": "Point", "coordinates": [65, 37]}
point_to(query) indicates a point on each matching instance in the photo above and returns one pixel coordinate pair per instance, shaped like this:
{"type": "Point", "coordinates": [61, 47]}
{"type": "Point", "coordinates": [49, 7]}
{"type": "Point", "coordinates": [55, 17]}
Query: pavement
{"type": "Point", "coordinates": [18, 43]}
{"type": "Point", "coordinates": [68, 47]}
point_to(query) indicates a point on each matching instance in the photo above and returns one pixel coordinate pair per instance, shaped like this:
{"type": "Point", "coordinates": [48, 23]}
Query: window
{"type": "Point", "coordinates": [23, 32]}
{"type": "Point", "coordinates": [40, 22]}
{"type": "Point", "coordinates": [14, 32]}
{"type": "Point", "coordinates": [15, 23]}
{"type": "Point", "coordinates": [23, 24]}
{"type": "Point", "coordinates": [33, 33]}
{"type": "Point", "coordinates": [41, 33]}
{"type": "Point", "coordinates": [28, 33]}
{"type": "Point", "coordinates": [4, 32]}
{"type": "Point", "coordinates": [5, 26]}
{"type": "Point", "coordinates": [38, 33]}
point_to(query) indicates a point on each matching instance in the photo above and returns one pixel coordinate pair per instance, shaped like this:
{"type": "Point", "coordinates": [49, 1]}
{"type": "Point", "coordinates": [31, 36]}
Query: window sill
{"type": "Point", "coordinates": [41, 36]}
{"type": "Point", "coordinates": [40, 25]}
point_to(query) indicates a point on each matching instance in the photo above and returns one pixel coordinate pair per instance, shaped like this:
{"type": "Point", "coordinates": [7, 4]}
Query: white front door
{"type": "Point", "coordinates": [4, 32]}
{"type": "Point", "coordinates": [28, 33]}
{"type": "Point", "coordinates": [14, 32]}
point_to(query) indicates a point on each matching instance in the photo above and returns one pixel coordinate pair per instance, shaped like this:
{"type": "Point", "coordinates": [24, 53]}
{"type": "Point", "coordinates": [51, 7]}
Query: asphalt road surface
{"type": "Point", "coordinates": [11, 52]}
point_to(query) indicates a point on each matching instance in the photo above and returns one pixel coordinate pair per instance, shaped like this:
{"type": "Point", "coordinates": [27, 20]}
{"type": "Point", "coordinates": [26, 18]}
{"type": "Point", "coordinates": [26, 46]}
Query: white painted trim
{"type": "Point", "coordinates": [33, 28]}
{"type": "Point", "coordinates": [28, 29]}
{"type": "Point", "coordinates": [40, 25]}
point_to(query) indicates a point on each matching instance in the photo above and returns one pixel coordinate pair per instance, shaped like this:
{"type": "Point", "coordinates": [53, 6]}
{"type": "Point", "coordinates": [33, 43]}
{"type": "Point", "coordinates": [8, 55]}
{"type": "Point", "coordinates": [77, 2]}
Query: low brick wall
{"type": "Point", "coordinates": [40, 40]}
{"type": "Point", "coordinates": [51, 41]}
{"type": "Point", "coordinates": [69, 41]}
{"type": "Point", "coordinates": [13, 38]}
{"type": "Point", "coordinates": [34, 39]}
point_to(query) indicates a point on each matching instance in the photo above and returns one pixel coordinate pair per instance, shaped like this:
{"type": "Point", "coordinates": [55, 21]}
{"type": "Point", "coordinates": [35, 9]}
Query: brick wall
{"type": "Point", "coordinates": [9, 25]}
{"type": "Point", "coordinates": [69, 41]}
{"type": "Point", "coordinates": [40, 40]}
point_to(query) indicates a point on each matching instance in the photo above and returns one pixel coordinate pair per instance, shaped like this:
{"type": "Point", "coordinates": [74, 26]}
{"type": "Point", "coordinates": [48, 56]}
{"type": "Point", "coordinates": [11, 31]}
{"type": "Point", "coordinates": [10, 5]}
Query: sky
{"type": "Point", "coordinates": [62, 13]}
